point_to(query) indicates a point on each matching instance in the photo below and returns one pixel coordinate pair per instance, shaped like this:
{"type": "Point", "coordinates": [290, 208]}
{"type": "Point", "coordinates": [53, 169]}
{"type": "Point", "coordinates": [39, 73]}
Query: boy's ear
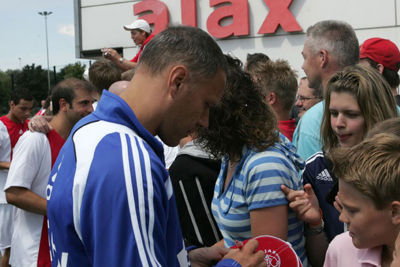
{"type": "Point", "coordinates": [271, 98]}
{"type": "Point", "coordinates": [396, 212]}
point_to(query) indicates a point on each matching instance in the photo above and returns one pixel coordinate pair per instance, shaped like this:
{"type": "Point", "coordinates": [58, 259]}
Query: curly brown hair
{"type": "Point", "coordinates": [241, 118]}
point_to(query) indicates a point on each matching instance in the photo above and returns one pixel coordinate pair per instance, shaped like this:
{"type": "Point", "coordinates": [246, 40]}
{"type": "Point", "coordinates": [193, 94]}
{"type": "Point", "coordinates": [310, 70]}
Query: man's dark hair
{"type": "Point", "coordinates": [20, 93]}
{"type": "Point", "coordinates": [391, 76]}
{"type": "Point", "coordinates": [253, 60]}
{"type": "Point", "coordinates": [103, 73]}
{"type": "Point", "coordinates": [66, 90]}
{"type": "Point", "coordinates": [185, 45]}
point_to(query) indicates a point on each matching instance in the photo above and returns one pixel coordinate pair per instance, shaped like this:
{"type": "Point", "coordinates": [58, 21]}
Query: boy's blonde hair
{"type": "Point", "coordinates": [372, 167]}
{"type": "Point", "coordinates": [391, 126]}
{"type": "Point", "coordinates": [278, 77]}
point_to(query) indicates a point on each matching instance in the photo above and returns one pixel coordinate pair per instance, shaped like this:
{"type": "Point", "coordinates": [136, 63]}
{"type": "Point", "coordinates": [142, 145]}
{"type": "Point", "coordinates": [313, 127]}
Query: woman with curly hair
{"type": "Point", "coordinates": [256, 160]}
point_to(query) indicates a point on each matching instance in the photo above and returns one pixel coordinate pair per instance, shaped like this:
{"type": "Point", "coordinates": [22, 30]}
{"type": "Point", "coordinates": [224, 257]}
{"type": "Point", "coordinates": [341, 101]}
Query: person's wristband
{"type": "Point", "coordinates": [315, 225]}
{"type": "Point", "coordinates": [121, 60]}
{"type": "Point", "coordinates": [317, 228]}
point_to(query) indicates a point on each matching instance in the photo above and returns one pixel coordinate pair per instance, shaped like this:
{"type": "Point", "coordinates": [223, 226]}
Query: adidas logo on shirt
{"type": "Point", "coordinates": [324, 176]}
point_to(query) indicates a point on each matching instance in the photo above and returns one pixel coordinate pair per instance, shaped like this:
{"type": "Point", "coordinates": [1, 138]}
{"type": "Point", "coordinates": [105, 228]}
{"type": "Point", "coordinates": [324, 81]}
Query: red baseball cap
{"type": "Point", "coordinates": [382, 51]}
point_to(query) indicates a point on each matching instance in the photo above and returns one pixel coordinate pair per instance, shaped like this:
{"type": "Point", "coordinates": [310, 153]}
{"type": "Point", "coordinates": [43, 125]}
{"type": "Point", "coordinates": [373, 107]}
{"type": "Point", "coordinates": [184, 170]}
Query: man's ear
{"type": "Point", "coordinates": [323, 54]}
{"type": "Point", "coordinates": [12, 104]}
{"type": "Point", "coordinates": [64, 105]}
{"type": "Point", "coordinates": [178, 75]}
{"type": "Point", "coordinates": [395, 206]}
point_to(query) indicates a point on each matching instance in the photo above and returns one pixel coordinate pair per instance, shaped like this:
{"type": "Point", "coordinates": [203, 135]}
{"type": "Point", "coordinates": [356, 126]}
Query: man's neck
{"type": "Point", "coordinates": [61, 125]}
{"type": "Point", "coordinates": [328, 73]}
{"type": "Point", "coordinates": [13, 118]}
{"type": "Point", "coordinates": [283, 116]}
{"type": "Point", "coordinates": [146, 101]}
{"type": "Point", "coordinates": [280, 114]}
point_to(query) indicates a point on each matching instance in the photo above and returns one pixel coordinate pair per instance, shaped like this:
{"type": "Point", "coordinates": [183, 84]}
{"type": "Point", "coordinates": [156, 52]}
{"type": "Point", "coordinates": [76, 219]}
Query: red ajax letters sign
{"type": "Point", "coordinates": [156, 12]}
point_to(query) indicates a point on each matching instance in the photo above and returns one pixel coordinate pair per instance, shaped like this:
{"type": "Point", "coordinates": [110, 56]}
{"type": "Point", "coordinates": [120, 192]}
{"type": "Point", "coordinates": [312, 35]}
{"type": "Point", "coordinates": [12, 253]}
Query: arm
{"type": "Point", "coordinates": [267, 204]}
{"type": "Point", "coordinates": [316, 247]}
{"type": "Point", "coordinates": [118, 60]}
{"type": "Point", "coordinates": [219, 243]}
{"type": "Point", "coordinates": [5, 146]}
{"type": "Point", "coordinates": [40, 124]}
{"type": "Point", "coordinates": [30, 165]}
{"type": "Point", "coordinates": [25, 199]}
{"type": "Point", "coordinates": [270, 221]}
{"type": "Point", "coordinates": [305, 204]}
{"type": "Point", "coordinates": [4, 165]}
{"type": "Point", "coordinates": [126, 65]}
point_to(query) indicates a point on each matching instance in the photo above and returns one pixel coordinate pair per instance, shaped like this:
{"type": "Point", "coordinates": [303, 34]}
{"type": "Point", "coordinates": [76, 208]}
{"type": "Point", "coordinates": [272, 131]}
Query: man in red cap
{"type": "Point", "coordinates": [141, 35]}
{"type": "Point", "coordinates": [383, 55]}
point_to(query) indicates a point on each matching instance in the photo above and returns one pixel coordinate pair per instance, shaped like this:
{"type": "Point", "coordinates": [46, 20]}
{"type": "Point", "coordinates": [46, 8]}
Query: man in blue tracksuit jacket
{"type": "Point", "coordinates": [110, 199]}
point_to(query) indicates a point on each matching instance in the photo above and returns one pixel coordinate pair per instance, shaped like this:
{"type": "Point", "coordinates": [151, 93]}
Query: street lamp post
{"type": "Point", "coordinates": [45, 14]}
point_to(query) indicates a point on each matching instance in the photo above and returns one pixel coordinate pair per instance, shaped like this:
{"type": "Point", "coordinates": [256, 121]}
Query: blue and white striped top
{"type": "Point", "coordinates": [255, 185]}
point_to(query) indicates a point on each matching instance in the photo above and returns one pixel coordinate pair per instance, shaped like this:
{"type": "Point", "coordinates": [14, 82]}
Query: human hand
{"type": "Point", "coordinates": [304, 203]}
{"type": "Point", "coordinates": [246, 256]}
{"type": "Point", "coordinates": [219, 244]}
{"type": "Point", "coordinates": [337, 204]}
{"type": "Point", "coordinates": [110, 54]}
{"type": "Point", "coordinates": [206, 256]}
{"type": "Point", "coordinates": [39, 124]}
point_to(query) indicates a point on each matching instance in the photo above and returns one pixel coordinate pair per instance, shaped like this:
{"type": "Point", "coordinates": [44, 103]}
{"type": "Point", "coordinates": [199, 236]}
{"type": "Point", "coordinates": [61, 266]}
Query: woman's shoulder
{"type": "Point", "coordinates": [273, 157]}
{"type": "Point", "coordinates": [270, 154]}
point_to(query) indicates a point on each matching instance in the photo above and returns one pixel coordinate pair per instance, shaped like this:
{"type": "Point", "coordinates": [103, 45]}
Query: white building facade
{"type": "Point", "coordinates": [239, 26]}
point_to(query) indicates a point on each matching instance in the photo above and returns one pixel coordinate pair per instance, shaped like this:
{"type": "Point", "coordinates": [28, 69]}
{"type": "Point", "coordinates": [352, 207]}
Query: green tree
{"type": "Point", "coordinates": [5, 88]}
{"type": "Point", "coordinates": [35, 79]}
{"type": "Point", "coordinates": [71, 71]}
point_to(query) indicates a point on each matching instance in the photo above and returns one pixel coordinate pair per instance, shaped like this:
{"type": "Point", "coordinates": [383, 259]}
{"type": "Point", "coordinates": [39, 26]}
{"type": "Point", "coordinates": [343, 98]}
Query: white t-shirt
{"type": "Point", "coordinates": [30, 168]}
{"type": "Point", "coordinates": [170, 153]}
{"type": "Point", "coordinates": [5, 150]}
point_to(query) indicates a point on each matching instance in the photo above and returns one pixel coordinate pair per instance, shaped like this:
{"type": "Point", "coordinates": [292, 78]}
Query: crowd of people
{"type": "Point", "coordinates": [183, 155]}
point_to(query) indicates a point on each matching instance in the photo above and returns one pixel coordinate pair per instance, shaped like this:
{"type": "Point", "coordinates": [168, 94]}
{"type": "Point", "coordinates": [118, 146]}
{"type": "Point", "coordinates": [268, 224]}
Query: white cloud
{"type": "Point", "coordinates": [67, 30]}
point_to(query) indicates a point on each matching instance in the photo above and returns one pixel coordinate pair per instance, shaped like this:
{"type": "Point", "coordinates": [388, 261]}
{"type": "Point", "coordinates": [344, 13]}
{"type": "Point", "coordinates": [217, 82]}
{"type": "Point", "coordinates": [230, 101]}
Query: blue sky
{"type": "Point", "coordinates": [23, 39]}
